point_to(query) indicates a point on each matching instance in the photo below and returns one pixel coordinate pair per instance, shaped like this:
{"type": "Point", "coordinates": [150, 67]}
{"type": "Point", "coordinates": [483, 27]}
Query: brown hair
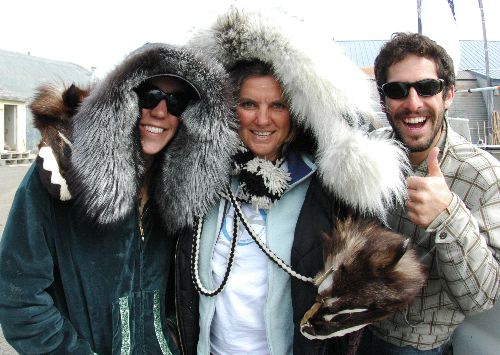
{"type": "Point", "coordinates": [299, 140]}
{"type": "Point", "coordinates": [403, 44]}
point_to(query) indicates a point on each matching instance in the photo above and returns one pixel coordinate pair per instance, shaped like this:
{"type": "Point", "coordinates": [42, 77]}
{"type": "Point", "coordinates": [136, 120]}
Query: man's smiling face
{"type": "Point", "coordinates": [416, 120]}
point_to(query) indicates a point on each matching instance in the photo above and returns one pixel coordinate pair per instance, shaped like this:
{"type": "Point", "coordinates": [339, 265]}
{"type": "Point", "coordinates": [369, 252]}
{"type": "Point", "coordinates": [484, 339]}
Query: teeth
{"type": "Point", "coordinates": [153, 129]}
{"type": "Point", "coordinates": [354, 310]}
{"type": "Point", "coordinates": [262, 134]}
{"type": "Point", "coordinates": [414, 120]}
{"type": "Point", "coordinates": [329, 317]}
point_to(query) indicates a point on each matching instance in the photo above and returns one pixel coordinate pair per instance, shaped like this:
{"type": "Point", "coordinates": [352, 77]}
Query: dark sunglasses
{"type": "Point", "coordinates": [150, 96]}
{"type": "Point", "coordinates": [398, 90]}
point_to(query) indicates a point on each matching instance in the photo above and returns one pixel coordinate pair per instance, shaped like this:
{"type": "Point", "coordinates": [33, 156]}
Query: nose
{"type": "Point", "coordinates": [160, 110]}
{"type": "Point", "coordinates": [413, 101]}
{"type": "Point", "coordinates": [262, 117]}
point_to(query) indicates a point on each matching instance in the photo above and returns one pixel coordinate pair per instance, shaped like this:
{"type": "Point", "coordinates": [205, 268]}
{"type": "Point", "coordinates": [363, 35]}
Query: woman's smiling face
{"type": "Point", "coordinates": [264, 116]}
{"type": "Point", "coordinates": [157, 125]}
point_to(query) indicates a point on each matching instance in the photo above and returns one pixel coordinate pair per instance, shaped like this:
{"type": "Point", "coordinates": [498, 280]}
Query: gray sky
{"type": "Point", "coordinates": [100, 33]}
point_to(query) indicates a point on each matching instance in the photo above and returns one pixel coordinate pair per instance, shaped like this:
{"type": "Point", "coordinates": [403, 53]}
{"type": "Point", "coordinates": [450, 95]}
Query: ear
{"type": "Point", "coordinates": [403, 247]}
{"type": "Point", "coordinates": [386, 258]}
{"type": "Point", "coordinates": [398, 253]}
{"type": "Point", "coordinates": [328, 245]}
{"type": "Point", "coordinates": [382, 104]}
{"type": "Point", "coordinates": [72, 98]}
{"type": "Point", "coordinates": [449, 97]}
{"type": "Point", "coordinates": [293, 132]}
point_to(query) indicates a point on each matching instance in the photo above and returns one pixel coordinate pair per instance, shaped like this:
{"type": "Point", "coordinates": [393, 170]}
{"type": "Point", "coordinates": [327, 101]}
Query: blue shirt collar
{"type": "Point", "coordinates": [299, 166]}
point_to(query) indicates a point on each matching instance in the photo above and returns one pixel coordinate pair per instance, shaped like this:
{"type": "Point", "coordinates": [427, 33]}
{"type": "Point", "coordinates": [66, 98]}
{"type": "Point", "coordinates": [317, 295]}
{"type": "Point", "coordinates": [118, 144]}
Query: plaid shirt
{"type": "Point", "coordinates": [461, 248]}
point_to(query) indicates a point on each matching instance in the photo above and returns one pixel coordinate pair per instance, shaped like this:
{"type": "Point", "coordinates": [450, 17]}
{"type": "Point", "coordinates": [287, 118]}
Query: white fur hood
{"type": "Point", "coordinates": [329, 97]}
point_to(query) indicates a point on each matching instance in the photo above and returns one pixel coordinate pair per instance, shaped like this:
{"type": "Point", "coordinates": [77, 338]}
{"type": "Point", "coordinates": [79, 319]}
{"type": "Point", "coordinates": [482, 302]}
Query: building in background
{"type": "Point", "coordinates": [20, 75]}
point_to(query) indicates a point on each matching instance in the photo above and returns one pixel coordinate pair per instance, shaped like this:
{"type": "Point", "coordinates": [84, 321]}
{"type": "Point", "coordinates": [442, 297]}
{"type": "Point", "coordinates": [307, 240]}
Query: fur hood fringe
{"type": "Point", "coordinates": [107, 162]}
{"type": "Point", "coordinates": [328, 96]}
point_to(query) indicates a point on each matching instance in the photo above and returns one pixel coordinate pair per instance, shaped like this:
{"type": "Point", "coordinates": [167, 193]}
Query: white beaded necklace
{"type": "Point", "coordinates": [239, 216]}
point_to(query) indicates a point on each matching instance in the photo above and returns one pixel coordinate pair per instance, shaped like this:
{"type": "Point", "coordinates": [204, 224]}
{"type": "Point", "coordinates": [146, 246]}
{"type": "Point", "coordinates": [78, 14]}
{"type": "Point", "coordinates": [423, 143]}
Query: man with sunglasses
{"type": "Point", "coordinates": [452, 214]}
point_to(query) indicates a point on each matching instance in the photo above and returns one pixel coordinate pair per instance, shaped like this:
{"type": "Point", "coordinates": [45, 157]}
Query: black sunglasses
{"type": "Point", "coordinates": [150, 96]}
{"type": "Point", "coordinates": [399, 90]}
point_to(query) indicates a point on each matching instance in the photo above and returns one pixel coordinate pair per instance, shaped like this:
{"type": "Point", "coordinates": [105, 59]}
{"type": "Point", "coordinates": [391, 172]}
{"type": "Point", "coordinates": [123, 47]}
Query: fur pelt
{"type": "Point", "coordinates": [328, 96]}
{"type": "Point", "coordinates": [370, 272]}
{"type": "Point", "coordinates": [53, 109]}
{"type": "Point", "coordinates": [108, 166]}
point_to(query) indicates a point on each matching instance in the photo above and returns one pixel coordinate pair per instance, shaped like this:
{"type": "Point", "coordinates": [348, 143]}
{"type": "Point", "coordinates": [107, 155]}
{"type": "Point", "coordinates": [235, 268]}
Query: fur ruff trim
{"type": "Point", "coordinates": [107, 160]}
{"type": "Point", "coordinates": [328, 96]}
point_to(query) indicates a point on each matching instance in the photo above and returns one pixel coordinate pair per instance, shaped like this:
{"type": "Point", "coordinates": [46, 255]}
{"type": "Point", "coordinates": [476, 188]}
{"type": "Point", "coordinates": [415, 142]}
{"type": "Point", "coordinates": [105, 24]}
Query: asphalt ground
{"type": "Point", "coordinates": [10, 177]}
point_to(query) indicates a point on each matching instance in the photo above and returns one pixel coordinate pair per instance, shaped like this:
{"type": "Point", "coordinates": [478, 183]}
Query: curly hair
{"type": "Point", "coordinates": [403, 44]}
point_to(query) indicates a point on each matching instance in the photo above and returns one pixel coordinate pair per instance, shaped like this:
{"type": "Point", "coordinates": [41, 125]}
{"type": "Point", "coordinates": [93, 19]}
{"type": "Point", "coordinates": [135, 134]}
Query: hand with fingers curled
{"type": "Point", "coordinates": [428, 196]}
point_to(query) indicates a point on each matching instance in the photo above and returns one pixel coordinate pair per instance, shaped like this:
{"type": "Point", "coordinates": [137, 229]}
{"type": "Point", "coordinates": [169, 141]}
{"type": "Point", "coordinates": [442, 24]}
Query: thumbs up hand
{"type": "Point", "coordinates": [433, 168]}
{"type": "Point", "coordinates": [427, 196]}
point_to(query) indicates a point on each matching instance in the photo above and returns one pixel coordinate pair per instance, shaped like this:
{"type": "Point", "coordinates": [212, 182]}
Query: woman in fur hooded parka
{"type": "Point", "coordinates": [86, 254]}
{"type": "Point", "coordinates": [254, 256]}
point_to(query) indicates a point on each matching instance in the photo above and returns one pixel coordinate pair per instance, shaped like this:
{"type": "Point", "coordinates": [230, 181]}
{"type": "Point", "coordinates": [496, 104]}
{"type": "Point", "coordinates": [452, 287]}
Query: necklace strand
{"type": "Point", "coordinates": [238, 217]}
{"type": "Point", "coordinates": [270, 254]}
{"type": "Point", "coordinates": [195, 255]}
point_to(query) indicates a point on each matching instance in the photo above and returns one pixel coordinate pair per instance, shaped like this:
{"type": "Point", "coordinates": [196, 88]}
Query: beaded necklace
{"type": "Point", "coordinates": [239, 216]}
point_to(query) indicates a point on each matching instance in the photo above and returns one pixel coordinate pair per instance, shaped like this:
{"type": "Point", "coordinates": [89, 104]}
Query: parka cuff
{"type": "Point", "coordinates": [443, 219]}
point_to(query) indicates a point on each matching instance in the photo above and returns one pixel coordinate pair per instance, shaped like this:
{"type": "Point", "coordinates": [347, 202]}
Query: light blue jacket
{"type": "Point", "coordinates": [281, 221]}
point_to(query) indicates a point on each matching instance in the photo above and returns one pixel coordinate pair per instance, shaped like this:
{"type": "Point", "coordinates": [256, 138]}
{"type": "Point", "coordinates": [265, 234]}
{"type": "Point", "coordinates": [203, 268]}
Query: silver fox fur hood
{"type": "Point", "coordinates": [328, 97]}
{"type": "Point", "coordinates": [107, 161]}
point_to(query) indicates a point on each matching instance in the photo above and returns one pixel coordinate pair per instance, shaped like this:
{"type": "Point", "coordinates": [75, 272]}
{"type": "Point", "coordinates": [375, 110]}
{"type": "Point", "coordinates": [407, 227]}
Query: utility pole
{"type": "Point", "coordinates": [419, 13]}
{"type": "Point", "coordinates": [485, 43]}
{"type": "Point", "coordinates": [489, 95]}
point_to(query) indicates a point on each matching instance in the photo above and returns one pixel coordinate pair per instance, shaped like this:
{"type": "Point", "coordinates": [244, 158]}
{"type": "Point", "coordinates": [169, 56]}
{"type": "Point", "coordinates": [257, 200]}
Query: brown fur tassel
{"type": "Point", "coordinates": [53, 110]}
